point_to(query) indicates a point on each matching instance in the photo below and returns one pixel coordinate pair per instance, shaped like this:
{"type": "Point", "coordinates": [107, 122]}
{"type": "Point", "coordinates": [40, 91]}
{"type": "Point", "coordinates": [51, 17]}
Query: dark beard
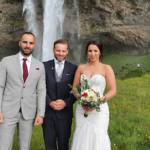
{"type": "Point", "coordinates": [57, 59]}
{"type": "Point", "coordinates": [26, 54]}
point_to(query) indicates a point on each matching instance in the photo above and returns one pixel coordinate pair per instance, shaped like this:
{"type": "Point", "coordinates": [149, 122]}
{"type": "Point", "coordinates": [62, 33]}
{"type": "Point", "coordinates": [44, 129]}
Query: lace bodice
{"type": "Point", "coordinates": [97, 82]}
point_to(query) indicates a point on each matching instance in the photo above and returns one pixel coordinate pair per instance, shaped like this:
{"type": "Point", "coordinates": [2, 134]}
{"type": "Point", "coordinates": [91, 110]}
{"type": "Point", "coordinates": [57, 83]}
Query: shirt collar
{"type": "Point", "coordinates": [21, 57]}
{"type": "Point", "coordinates": [56, 61]}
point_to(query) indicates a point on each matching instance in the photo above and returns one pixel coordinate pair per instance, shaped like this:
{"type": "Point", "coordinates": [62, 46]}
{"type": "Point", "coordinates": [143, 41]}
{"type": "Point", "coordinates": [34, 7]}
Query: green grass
{"type": "Point", "coordinates": [129, 127]}
{"type": "Point", "coordinates": [129, 113]}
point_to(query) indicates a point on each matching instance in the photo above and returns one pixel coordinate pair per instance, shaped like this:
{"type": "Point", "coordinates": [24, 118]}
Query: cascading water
{"type": "Point", "coordinates": [53, 26]}
{"type": "Point", "coordinates": [76, 7]}
{"type": "Point", "coordinates": [32, 25]}
{"type": "Point", "coordinates": [78, 43]}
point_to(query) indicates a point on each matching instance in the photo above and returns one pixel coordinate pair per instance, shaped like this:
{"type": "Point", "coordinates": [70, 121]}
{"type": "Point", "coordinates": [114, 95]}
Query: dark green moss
{"type": "Point", "coordinates": [119, 14]}
{"type": "Point", "coordinates": [16, 23]}
{"type": "Point", "coordinates": [93, 28]}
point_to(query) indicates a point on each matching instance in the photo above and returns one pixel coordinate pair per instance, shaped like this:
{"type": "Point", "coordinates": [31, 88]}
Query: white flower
{"type": "Point", "coordinates": [91, 94]}
{"type": "Point", "coordinates": [84, 91]}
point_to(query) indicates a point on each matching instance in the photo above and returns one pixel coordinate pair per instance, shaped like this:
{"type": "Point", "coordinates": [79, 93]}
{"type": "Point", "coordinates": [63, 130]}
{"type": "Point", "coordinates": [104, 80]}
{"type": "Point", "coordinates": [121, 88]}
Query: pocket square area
{"type": "Point", "coordinates": [37, 69]}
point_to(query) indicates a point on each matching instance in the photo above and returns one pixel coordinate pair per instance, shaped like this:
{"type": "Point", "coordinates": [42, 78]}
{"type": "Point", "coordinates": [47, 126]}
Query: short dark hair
{"type": "Point", "coordinates": [27, 33]}
{"type": "Point", "coordinates": [61, 41]}
{"type": "Point", "coordinates": [100, 47]}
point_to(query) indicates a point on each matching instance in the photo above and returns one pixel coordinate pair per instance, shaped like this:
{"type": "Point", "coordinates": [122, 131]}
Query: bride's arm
{"type": "Point", "coordinates": [77, 80]}
{"type": "Point", "coordinates": [111, 83]}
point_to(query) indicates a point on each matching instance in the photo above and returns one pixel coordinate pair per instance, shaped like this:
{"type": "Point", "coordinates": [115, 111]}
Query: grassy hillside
{"type": "Point", "coordinates": [129, 127]}
{"type": "Point", "coordinates": [122, 64]}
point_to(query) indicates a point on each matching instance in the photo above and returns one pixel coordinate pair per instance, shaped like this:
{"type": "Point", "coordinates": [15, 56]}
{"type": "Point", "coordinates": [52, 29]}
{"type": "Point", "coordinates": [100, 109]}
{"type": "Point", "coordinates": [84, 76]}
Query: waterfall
{"type": "Point", "coordinates": [77, 41]}
{"type": "Point", "coordinates": [76, 7]}
{"type": "Point", "coordinates": [53, 26]}
{"type": "Point", "coordinates": [29, 10]}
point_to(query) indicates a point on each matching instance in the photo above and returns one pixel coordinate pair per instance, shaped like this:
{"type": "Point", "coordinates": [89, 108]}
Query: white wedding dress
{"type": "Point", "coordinates": [91, 132]}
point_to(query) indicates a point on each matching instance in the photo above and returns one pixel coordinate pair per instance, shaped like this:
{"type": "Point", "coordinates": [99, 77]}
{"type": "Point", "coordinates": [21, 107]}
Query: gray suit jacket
{"type": "Point", "coordinates": [14, 93]}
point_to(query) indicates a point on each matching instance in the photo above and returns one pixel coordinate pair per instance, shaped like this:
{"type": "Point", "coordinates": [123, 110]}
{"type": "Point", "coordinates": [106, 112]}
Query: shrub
{"type": "Point", "coordinates": [135, 73]}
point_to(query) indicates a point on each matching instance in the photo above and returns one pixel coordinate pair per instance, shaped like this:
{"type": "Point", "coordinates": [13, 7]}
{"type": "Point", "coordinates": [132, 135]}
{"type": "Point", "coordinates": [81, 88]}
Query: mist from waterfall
{"type": "Point", "coordinates": [29, 9]}
{"type": "Point", "coordinates": [53, 26]}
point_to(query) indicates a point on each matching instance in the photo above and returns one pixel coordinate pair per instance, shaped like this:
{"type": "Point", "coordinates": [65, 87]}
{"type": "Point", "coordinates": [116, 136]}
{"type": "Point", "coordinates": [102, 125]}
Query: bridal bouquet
{"type": "Point", "coordinates": [87, 96]}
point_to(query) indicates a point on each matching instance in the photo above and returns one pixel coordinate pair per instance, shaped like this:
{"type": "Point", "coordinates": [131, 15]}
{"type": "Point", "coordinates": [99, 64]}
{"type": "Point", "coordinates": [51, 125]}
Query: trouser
{"type": "Point", "coordinates": [60, 129]}
{"type": "Point", "coordinates": [7, 131]}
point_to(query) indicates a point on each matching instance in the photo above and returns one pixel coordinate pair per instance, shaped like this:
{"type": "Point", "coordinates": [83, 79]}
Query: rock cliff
{"type": "Point", "coordinates": [123, 26]}
{"type": "Point", "coordinates": [11, 26]}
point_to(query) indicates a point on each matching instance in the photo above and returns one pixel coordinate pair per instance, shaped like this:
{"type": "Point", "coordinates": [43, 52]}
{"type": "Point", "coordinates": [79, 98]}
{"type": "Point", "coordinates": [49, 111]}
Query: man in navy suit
{"type": "Point", "coordinates": [59, 112]}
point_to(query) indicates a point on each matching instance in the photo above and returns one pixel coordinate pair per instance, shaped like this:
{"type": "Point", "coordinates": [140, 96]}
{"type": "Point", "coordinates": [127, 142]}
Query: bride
{"type": "Point", "coordinates": [91, 132]}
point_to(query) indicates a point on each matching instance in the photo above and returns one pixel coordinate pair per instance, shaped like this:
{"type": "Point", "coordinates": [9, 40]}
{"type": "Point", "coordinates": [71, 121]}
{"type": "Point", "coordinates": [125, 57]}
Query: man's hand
{"type": "Point", "coordinates": [1, 118]}
{"type": "Point", "coordinates": [57, 105]}
{"type": "Point", "coordinates": [38, 121]}
{"type": "Point", "coordinates": [61, 103]}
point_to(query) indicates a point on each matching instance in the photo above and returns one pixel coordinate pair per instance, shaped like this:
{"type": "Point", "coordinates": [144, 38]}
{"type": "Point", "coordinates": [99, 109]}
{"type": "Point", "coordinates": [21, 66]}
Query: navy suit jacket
{"type": "Point", "coordinates": [68, 73]}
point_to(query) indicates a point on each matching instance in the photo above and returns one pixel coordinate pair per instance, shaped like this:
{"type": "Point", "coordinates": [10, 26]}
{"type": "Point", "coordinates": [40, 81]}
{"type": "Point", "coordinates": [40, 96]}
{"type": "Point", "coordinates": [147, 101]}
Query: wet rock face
{"type": "Point", "coordinates": [11, 26]}
{"type": "Point", "coordinates": [123, 26]}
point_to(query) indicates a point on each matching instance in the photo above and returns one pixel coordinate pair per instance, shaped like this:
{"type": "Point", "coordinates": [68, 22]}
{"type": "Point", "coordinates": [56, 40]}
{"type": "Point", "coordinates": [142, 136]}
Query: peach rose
{"type": "Point", "coordinates": [88, 100]}
{"type": "Point", "coordinates": [83, 98]}
{"type": "Point", "coordinates": [95, 99]}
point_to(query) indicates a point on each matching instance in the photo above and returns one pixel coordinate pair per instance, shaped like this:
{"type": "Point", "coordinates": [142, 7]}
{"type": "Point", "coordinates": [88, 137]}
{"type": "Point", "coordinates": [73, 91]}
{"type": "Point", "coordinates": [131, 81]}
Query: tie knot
{"type": "Point", "coordinates": [24, 59]}
{"type": "Point", "coordinates": [59, 63]}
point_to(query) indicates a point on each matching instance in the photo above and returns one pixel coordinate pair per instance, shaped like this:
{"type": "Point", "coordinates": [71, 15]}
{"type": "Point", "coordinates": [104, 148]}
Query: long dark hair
{"type": "Point", "coordinates": [99, 45]}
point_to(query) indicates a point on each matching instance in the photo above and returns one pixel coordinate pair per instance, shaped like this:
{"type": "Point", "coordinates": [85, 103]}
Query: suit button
{"type": "Point", "coordinates": [22, 97]}
{"type": "Point", "coordinates": [24, 87]}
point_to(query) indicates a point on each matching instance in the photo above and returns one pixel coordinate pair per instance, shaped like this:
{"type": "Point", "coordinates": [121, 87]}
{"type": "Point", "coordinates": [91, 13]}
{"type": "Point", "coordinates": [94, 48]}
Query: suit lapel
{"type": "Point", "coordinates": [16, 62]}
{"type": "Point", "coordinates": [52, 69]}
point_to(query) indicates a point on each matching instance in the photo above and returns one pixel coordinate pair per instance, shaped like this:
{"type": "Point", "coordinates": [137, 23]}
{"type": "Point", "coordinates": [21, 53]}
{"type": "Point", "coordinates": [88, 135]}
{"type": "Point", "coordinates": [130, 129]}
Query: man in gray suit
{"type": "Point", "coordinates": [22, 94]}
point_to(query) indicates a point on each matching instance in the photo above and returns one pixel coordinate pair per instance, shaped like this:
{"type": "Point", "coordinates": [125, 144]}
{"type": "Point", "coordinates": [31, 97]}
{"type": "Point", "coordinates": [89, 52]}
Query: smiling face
{"type": "Point", "coordinates": [60, 51]}
{"type": "Point", "coordinates": [27, 44]}
{"type": "Point", "coordinates": [93, 53]}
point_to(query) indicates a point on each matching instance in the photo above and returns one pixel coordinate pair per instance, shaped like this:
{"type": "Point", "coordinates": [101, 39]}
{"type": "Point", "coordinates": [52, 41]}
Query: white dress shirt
{"type": "Point", "coordinates": [28, 62]}
{"type": "Point", "coordinates": [57, 63]}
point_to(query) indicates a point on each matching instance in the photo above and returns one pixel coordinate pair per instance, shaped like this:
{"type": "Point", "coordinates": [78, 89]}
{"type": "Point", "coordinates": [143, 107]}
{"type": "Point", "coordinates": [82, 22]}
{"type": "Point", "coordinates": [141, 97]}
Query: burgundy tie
{"type": "Point", "coordinates": [25, 70]}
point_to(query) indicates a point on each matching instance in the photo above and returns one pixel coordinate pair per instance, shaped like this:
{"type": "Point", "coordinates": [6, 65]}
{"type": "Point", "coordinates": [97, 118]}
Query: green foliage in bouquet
{"type": "Point", "coordinates": [87, 96]}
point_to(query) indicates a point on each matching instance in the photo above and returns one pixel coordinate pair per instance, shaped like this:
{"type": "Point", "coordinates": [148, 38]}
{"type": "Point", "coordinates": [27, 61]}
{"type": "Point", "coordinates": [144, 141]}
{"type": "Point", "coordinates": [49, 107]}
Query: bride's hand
{"type": "Point", "coordinates": [88, 109]}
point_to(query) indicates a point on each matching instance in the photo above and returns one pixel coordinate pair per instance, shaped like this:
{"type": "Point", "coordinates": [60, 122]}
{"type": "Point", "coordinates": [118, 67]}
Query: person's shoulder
{"type": "Point", "coordinates": [37, 62]}
{"type": "Point", "coordinates": [71, 64]}
{"type": "Point", "coordinates": [82, 66]}
{"type": "Point", "coordinates": [7, 58]}
{"type": "Point", "coordinates": [107, 68]}
{"type": "Point", "coordinates": [48, 62]}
